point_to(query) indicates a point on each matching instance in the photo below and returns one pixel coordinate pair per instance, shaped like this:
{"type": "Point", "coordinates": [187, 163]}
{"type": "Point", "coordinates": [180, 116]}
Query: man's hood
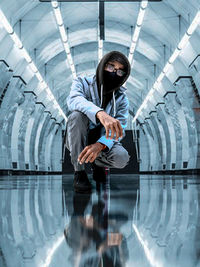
{"type": "Point", "coordinates": [101, 66]}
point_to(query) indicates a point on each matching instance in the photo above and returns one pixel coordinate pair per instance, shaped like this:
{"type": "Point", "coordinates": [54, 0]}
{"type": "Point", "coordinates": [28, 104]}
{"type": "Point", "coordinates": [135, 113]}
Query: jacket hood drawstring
{"type": "Point", "coordinates": [101, 94]}
{"type": "Point", "coordinates": [114, 103]}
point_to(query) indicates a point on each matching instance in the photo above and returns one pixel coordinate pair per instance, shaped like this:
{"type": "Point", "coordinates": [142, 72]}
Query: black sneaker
{"type": "Point", "coordinates": [81, 182]}
{"type": "Point", "coordinates": [99, 173]}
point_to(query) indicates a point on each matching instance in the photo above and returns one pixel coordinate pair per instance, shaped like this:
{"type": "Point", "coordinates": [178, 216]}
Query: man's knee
{"type": "Point", "coordinates": [77, 115]}
{"type": "Point", "coordinates": [121, 159]}
{"type": "Point", "coordinates": [77, 121]}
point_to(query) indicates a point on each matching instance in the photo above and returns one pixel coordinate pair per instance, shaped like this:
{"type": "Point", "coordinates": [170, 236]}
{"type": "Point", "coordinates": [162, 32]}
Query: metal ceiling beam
{"type": "Point", "coordinates": [101, 20]}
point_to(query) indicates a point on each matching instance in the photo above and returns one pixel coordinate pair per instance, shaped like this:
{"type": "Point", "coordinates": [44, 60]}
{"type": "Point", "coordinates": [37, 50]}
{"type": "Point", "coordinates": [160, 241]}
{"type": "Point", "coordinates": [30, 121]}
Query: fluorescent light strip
{"type": "Point", "coordinates": [33, 67]}
{"type": "Point", "coordinates": [58, 16]}
{"type": "Point", "coordinates": [100, 44]}
{"type": "Point", "coordinates": [16, 40]}
{"type": "Point", "coordinates": [136, 33]}
{"type": "Point", "coordinates": [67, 48]}
{"type": "Point", "coordinates": [5, 23]}
{"type": "Point", "coordinates": [100, 49]}
{"type": "Point", "coordinates": [63, 35]}
{"type": "Point", "coordinates": [27, 57]}
{"type": "Point", "coordinates": [70, 59]}
{"type": "Point", "coordinates": [171, 60]}
{"type": "Point", "coordinates": [132, 49]}
{"type": "Point", "coordinates": [141, 16]}
{"type": "Point", "coordinates": [39, 76]}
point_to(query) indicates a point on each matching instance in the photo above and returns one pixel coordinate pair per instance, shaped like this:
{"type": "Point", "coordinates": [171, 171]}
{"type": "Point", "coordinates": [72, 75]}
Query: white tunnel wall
{"type": "Point", "coordinates": [170, 124]}
{"type": "Point", "coordinates": [30, 139]}
{"type": "Point", "coordinates": [172, 131]}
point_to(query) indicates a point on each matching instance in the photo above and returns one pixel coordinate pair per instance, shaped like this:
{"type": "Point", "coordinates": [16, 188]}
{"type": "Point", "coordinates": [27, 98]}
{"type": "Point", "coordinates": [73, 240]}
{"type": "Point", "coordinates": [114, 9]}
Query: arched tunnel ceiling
{"type": "Point", "coordinates": [40, 36]}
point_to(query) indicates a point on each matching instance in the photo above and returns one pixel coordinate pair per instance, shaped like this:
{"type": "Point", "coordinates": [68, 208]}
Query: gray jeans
{"type": "Point", "coordinates": [77, 139]}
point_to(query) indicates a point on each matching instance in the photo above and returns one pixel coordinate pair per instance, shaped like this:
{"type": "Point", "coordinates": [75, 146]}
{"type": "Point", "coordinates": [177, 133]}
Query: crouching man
{"type": "Point", "coordinates": [99, 112]}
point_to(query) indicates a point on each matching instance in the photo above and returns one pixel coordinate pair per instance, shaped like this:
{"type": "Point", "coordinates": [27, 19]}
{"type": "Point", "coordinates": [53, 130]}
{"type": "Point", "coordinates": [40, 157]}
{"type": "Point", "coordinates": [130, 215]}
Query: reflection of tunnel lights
{"type": "Point", "coordinates": [173, 57]}
{"type": "Point", "coordinates": [63, 34]}
{"type": "Point", "coordinates": [52, 250]}
{"type": "Point", "coordinates": [147, 251]}
{"type": "Point", "coordinates": [18, 43]}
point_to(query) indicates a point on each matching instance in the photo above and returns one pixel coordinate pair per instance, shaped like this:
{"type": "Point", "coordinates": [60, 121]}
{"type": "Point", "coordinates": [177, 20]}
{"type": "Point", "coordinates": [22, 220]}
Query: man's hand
{"type": "Point", "coordinates": [110, 123]}
{"type": "Point", "coordinates": [113, 239]}
{"type": "Point", "coordinates": [90, 153]}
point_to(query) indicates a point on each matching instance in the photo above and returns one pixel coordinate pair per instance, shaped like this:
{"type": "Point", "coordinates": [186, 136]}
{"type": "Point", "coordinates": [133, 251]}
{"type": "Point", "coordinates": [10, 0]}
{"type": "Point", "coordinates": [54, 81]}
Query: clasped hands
{"type": "Point", "coordinates": [91, 152]}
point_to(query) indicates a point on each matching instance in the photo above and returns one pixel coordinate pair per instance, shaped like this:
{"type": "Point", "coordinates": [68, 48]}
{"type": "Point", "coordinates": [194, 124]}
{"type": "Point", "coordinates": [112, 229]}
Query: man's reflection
{"type": "Point", "coordinates": [88, 236]}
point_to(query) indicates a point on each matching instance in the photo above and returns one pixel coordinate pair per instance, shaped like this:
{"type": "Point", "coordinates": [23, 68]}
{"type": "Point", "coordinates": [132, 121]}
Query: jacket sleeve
{"type": "Point", "coordinates": [122, 116]}
{"type": "Point", "coordinates": [77, 101]}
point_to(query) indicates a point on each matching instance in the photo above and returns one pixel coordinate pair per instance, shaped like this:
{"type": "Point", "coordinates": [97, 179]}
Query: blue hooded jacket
{"type": "Point", "coordinates": [84, 97]}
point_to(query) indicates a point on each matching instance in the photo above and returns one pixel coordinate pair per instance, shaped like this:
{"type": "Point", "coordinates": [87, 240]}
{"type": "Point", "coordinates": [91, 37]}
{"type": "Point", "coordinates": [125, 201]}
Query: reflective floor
{"type": "Point", "coordinates": [132, 220]}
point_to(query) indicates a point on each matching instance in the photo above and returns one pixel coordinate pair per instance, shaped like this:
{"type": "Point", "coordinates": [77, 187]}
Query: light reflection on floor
{"type": "Point", "coordinates": [133, 220]}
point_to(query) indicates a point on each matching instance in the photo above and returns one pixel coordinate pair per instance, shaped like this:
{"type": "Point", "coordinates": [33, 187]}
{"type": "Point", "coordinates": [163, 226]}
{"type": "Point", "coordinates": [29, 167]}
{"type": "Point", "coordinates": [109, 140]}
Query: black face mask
{"type": "Point", "coordinates": [111, 80]}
